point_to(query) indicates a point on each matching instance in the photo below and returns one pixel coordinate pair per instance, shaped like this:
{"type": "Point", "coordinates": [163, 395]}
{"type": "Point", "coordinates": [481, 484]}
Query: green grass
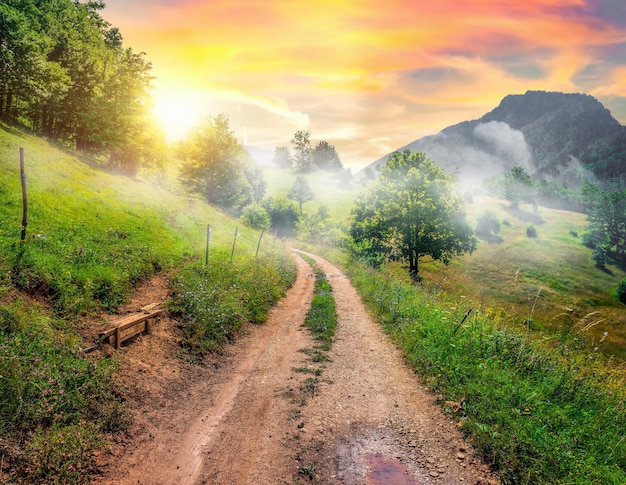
{"type": "Point", "coordinates": [215, 301]}
{"type": "Point", "coordinates": [537, 413]}
{"type": "Point", "coordinates": [321, 319]}
{"type": "Point", "coordinates": [92, 236]}
{"type": "Point", "coordinates": [509, 275]}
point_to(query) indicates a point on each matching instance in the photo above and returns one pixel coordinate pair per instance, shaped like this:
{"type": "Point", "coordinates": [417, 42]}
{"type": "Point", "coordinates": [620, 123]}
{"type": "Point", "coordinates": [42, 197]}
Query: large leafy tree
{"type": "Point", "coordinates": [410, 213]}
{"type": "Point", "coordinates": [214, 163]}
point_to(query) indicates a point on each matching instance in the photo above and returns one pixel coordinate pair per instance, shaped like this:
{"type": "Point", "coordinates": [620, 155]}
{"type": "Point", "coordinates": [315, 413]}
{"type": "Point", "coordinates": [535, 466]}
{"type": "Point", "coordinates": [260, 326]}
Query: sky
{"type": "Point", "coordinates": [368, 76]}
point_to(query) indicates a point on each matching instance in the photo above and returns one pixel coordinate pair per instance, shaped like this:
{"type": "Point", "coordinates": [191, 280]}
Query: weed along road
{"type": "Point", "coordinates": [272, 413]}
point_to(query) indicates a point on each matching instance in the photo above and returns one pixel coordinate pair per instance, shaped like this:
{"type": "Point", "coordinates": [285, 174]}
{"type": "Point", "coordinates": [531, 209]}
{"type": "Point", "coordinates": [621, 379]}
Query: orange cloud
{"type": "Point", "coordinates": [367, 70]}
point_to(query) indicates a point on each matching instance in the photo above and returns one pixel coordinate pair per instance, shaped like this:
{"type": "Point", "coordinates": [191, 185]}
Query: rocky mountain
{"type": "Point", "coordinates": [557, 136]}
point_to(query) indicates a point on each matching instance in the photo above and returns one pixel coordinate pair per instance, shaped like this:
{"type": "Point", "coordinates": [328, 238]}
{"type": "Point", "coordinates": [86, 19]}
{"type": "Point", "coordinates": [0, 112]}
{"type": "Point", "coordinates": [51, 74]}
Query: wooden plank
{"type": "Point", "coordinates": [129, 326]}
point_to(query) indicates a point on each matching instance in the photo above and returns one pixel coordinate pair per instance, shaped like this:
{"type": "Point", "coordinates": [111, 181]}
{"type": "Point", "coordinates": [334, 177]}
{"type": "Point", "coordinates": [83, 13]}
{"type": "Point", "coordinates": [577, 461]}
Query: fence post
{"type": "Point", "coordinates": [259, 244]}
{"type": "Point", "coordinates": [208, 241]}
{"type": "Point", "coordinates": [232, 253]}
{"type": "Point", "coordinates": [24, 196]}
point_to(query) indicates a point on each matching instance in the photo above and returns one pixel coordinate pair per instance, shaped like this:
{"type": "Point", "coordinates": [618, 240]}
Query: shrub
{"type": "Point", "coordinates": [487, 224]}
{"type": "Point", "coordinates": [255, 216]}
{"type": "Point", "coordinates": [621, 291]}
{"type": "Point", "coordinates": [599, 256]}
{"type": "Point", "coordinates": [531, 230]}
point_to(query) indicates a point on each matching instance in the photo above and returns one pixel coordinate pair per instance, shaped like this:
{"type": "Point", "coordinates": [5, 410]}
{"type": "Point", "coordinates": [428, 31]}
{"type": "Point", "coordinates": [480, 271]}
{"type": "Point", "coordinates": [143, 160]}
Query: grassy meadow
{"type": "Point", "coordinates": [545, 283]}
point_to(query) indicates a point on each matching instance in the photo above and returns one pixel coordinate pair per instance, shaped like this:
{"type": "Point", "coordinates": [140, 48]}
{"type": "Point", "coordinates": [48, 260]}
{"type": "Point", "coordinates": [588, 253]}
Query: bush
{"type": "Point", "coordinates": [255, 216]}
{"type": "Point", "coordinates": [531, 231]}
{"type": "Point", "coordinates": [487, 224]}
{"type": "Point", "coordinates": [621, 291]}
{"type": "Point", "coordinates": [599, 256]}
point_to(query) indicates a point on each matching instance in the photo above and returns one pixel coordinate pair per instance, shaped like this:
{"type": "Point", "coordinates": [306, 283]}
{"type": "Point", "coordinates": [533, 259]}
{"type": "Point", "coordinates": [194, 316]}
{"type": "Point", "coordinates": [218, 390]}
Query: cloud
{"type": "Point", "coordinates": [362, 72]}
{"type": "Point", "coordinates": [509, 144]}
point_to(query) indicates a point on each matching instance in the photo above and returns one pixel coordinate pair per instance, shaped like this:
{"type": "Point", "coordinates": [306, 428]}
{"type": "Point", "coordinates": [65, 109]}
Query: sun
{"type": "Point", "coordinates": [177, 114]}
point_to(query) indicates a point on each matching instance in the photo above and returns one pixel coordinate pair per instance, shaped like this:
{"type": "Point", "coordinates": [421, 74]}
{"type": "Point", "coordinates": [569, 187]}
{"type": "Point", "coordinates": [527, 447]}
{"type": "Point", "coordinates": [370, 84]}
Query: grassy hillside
{"type": "Point", "coordinates": [91, 237]}
{"type": "Point", "coordinates": [545, 282]}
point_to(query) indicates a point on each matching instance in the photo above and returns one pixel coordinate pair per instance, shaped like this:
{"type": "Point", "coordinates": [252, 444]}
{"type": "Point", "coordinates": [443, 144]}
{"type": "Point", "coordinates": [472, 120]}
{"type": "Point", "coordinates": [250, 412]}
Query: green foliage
{"type": "Point", "coordinates": [213, 163]}
{"type": "Point", "coordinates": [215, 301]}
{"type": "Point", "coordinates": [517, 187]}
{"type": "Point", "coordinates": [487, 224]}
{"type": "Point", "coordinates": [409, 213]}
{"type": "Point", "coordinates": [321, 318]}
{"type": "Point", "coordinates": [325, 157]}
{"type": "Point", "coordinates": [301, 192]}
{"type": "Point", "coordinates": [284, 215]}
{"type": "Point", "coordinates": [531, 231]}
{"type": "Point", "coordinates": [319, 229]}
{"type": "Point", "coordinates": [606, 209]}
{"type": "Point", "coordinates": [63, 454]}
{"type": "Point", "coordinates": [303, 158]}
{"type": "Point", "coordinates": [67, 76]}
{"type": "Point", "coordinates": [621, 291]}
{"type": "Point", "coordinates": [54, 402]}
{"type": "Point", "coordinates": [282, 157]}
{"type": "Point", "coordinates": [255, 216]}
{"type": "Point", "coordinates": [536, 414]}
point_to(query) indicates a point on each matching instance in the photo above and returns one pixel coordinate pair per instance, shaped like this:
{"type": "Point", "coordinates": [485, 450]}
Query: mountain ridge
{"type": "Point", "coordinates": [564, 137]}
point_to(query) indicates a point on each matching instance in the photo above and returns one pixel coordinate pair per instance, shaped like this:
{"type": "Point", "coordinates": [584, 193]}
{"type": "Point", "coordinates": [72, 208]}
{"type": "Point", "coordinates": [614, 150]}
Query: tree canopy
{"type": "Point", "coordinates": [303, 158]}
{"type": "Point", "coordinates": [214, 163]}
{"type": "Point", "coordinates": [409, 213]}
{"type": "Point", "coordinates": [65, 74]}
{"type": "Point", "coordinates": [325, 157]}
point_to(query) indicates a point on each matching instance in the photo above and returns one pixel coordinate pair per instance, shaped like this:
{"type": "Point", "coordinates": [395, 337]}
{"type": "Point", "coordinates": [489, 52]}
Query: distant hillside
{"type": "Point", "coordinates": [562, 137]}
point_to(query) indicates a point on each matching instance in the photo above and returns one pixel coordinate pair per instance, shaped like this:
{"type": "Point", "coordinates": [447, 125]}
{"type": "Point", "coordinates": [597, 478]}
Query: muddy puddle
{"type": "Point", "coordinates": [388, 472]}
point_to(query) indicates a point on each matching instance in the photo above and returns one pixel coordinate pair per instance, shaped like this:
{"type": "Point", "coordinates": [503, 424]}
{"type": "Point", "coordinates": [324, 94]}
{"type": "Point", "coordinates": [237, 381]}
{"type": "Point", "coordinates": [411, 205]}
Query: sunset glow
{"type": "Point", "coordinates": [368, 76]}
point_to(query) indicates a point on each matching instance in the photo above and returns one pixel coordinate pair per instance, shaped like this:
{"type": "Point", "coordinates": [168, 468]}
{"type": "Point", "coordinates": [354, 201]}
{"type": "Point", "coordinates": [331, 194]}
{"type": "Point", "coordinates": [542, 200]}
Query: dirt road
{"type": "Point", "coordinates": [254, 417]}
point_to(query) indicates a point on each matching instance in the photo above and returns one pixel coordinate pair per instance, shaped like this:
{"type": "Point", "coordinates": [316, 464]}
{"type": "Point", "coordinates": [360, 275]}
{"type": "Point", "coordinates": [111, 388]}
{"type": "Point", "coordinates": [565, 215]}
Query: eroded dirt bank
{"type": "Point", "coordinates": [247, 417]}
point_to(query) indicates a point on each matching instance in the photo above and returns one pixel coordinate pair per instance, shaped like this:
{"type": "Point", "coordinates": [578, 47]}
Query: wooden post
{"type": "Point", "coordinates": [24, 196]}
{"type": "Point", "coordinates": [118, 338]}
{"type": "Point", "coordinates": [259, 244]}
{"type": "Point", "coordinates": [208, 240]}
{"type": "Point", "coordinates": [232, 253]}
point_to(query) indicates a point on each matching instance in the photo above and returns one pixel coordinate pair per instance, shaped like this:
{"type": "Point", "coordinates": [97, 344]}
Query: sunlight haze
{"type": "Point", "coordinates": [368, 77]}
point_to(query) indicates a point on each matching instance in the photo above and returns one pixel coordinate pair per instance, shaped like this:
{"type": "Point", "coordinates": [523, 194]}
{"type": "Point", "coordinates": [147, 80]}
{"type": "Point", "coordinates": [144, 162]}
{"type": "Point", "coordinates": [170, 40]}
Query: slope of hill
{"type": "Point", "coordinates": [553, 135]}
{"type": "Point", "coordinates": [549, 280]}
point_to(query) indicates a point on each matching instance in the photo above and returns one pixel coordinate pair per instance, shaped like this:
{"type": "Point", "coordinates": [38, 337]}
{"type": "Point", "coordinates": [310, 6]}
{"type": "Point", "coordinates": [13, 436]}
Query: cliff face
{"type": "Point", "coordinates": [563, 137]}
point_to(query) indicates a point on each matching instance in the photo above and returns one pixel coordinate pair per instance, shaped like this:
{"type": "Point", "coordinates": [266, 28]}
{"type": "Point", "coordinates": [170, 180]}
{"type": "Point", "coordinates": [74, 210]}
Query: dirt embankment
{"type": "Point", "coordinates": [249, 416]}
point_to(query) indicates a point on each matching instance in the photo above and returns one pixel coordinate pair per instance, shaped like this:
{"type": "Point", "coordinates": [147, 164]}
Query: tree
{"type": "Point", "coordinates": [282, 157]}
{"type": "Point", "coordinates": [301, 142]}
{"type": "Point", "coordinates": [284, 215]}
{"type": "Point", "coordinates": [409, 213]}
{"type": "Point", "coordinates": [301, 192]}
{"type": "Point", "coordinates": [255, 216]}
{"type": "Point", "coordinates": [606, 216]}
{"type": "Point", "coordinates": [518, 187]}
{"type": "Point", "coordinates": [325, 157]}
{"type": "Point", "coordinates": [213, 165]}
